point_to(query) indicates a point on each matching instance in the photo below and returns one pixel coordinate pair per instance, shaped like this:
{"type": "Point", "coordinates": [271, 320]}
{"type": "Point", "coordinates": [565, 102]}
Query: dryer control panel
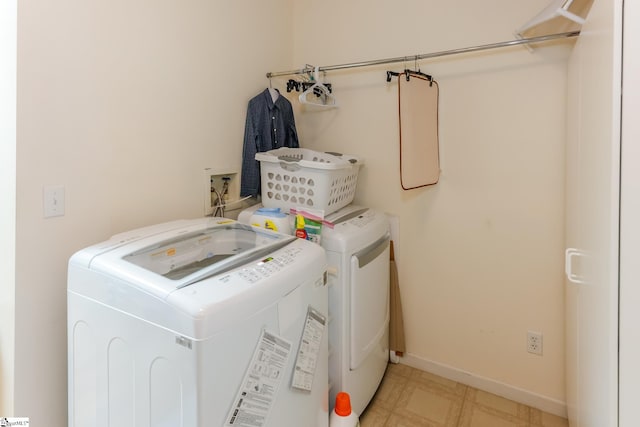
{"type": "Point", "coordinates": [363, 219]}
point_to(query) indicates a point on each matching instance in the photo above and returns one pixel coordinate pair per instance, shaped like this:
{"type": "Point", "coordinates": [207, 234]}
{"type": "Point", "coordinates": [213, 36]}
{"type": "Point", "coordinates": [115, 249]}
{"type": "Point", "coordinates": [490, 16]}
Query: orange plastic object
{"type": "Point", "coordinates": [343, 404]}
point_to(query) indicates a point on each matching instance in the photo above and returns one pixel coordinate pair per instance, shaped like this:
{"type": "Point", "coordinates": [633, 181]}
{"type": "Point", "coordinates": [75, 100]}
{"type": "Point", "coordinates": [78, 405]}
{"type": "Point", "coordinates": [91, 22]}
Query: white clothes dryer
{"type": "Point", "coordinates": [357, 249]}
{"type": "Point", "coordinates": [198, 323]}
{"type": "Point", "coordinates": [358, 256]}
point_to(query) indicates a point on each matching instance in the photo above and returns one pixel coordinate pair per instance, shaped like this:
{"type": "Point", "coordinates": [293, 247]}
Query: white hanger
{"type": "Point", "coordinates": [318, 94]}
{"type": "Point", "coordinates": [554, 9]}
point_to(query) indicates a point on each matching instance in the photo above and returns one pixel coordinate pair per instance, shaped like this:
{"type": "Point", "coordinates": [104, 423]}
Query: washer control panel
{"type": "Point", "coordinates": [267, 266]}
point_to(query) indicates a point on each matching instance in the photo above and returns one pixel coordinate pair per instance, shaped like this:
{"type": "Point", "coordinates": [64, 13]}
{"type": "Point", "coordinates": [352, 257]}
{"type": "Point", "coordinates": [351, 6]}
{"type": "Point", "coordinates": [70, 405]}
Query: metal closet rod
{"type": "Point", "coordinates": [538, 39]}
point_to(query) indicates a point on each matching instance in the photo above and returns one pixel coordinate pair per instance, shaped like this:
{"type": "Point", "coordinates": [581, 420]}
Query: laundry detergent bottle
{"type": "Point", "coordinates": [342, 415]}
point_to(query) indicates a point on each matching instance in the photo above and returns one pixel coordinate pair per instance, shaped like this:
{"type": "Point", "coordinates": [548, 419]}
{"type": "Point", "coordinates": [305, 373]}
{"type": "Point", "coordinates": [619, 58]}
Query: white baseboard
{"type": "Point", "coordinates": [516, 394]}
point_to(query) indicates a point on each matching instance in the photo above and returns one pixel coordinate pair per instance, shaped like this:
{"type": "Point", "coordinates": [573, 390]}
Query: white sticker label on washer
{"type": "Point", "coordinates": [305, 366]}
{"type": "Point", "coordinates": [261, 382]}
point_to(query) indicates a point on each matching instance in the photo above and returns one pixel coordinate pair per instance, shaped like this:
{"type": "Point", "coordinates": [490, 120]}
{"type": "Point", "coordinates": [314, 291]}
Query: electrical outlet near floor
{"type": "Point", "coordinates": [534, 342]}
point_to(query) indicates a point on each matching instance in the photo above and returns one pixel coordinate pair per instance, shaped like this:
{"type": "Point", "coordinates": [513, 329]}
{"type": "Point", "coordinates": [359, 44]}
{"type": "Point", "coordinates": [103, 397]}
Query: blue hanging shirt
{"type": "Point", "coordinates": [269, 125]}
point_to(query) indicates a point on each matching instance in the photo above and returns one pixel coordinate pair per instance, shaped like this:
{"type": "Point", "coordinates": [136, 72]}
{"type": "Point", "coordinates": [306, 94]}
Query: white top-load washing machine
{"type": "Point", "coordinates": [198, 323]}
{"type": "Point", "coordinates": [358, 256]}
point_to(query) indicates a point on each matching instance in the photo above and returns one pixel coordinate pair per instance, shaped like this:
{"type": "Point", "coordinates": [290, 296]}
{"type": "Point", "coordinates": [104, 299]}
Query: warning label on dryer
{"type": "Point", "coordinates": [261, 382]}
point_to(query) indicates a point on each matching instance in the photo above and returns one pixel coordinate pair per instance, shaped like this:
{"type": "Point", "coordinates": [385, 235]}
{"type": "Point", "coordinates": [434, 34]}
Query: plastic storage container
{"type": "Point", "coordinates": [272, 219]}
{"type": "Point", "coordinates": [342, 415]}
{"type": "Point", "coordinates": [298, 177]}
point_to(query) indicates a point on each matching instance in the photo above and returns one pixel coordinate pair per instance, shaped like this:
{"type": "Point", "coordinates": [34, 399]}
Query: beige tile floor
{"type": "Point", "coordinates": [409, 397]}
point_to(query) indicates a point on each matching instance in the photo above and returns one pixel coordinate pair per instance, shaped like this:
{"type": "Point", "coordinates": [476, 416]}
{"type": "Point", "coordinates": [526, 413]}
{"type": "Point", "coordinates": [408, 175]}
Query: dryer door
{"type": "Point", "coordinates": [369, 299]}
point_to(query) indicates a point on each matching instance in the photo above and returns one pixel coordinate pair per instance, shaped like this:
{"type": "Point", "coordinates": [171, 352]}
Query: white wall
{"type": "Point", "coordinates": [8, 44]}
{"type": "Point", "coordinates": [124, 103]}
{"type": "Point", "coordinates": [480, 253]}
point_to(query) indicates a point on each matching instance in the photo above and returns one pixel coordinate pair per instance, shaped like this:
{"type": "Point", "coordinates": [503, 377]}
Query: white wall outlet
{"type": "Point", "coordinates": [534, 342]}
{"type": "Point", "coordinates": [53, 200]}
{"type": "Point", "coordinates": [213, 185]}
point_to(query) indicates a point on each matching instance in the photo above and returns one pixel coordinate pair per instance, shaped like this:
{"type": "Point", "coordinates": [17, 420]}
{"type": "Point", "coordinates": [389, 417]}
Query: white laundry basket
{"type": "Point", "coordinates": [299, 177]}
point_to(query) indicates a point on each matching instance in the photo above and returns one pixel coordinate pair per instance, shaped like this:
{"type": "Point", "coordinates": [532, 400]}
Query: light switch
{"type": "Point", "coordinates": [53, 201]}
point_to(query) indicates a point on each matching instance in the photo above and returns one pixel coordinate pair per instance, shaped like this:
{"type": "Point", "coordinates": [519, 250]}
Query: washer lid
{"type": "Point", "coordinates": [165, 262]}
{"type": "Point", "coordinates": [192, 257]}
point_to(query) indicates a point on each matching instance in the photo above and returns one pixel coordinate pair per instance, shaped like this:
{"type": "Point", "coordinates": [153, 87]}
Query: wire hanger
{"type": "Point", "coordinates": [318, 94]}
